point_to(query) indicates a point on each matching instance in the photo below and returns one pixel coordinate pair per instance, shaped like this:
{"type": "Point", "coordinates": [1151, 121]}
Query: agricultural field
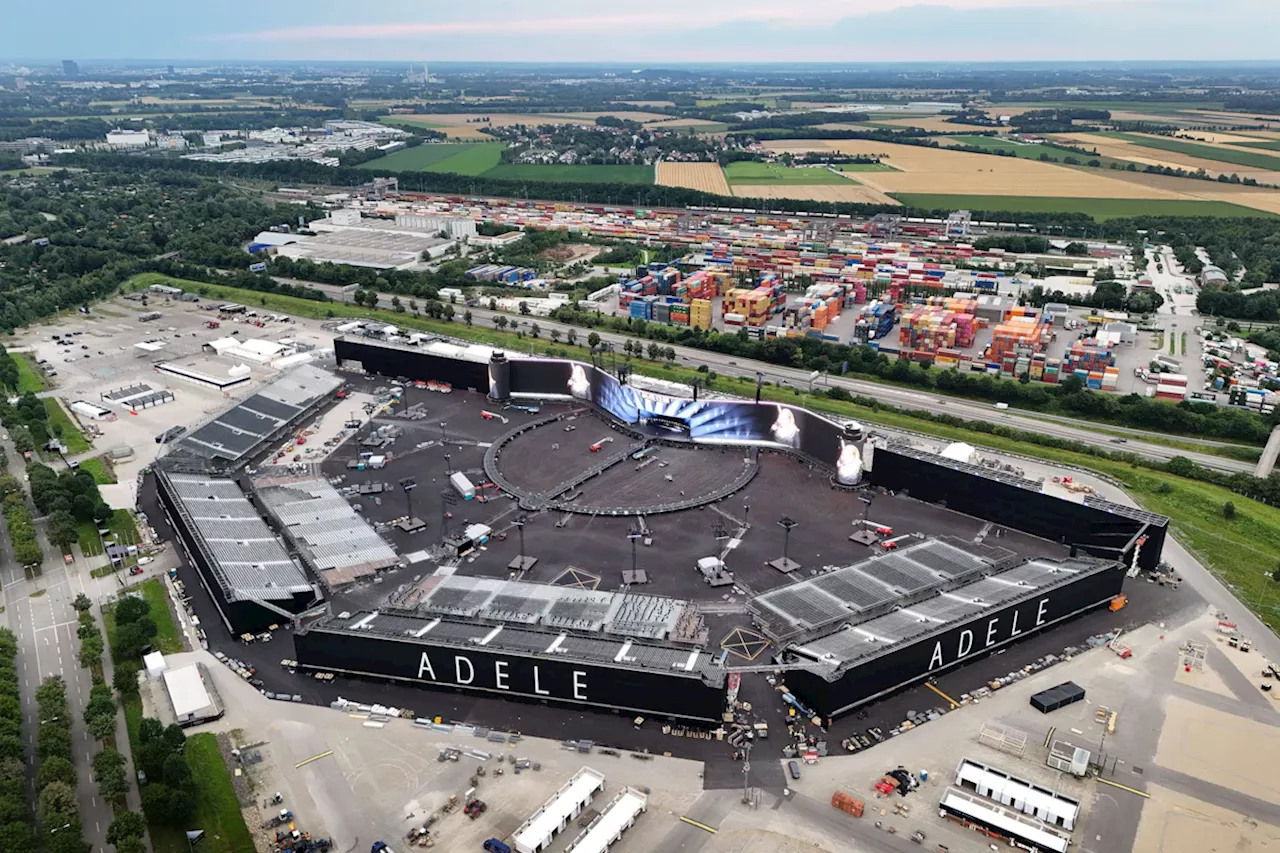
{"type": "Point", "coordinates": [459, 158]}
{"type": "Point", "coordinates": [1253, 160]}
{"type": "Point", "coordinates": [1025, 150]}
{"type": "Point", "coordinates": [749, 172]}
{"type": "Point", "coordinates": [847, 192]}
{"type": "Point", "coordinates": [1098, 208]}
{"type": "Point", "coordinates": [923, 170]}
{"type": "Point", "coordinates": [936, 124]}
{"type": "Point", "coordinates": [465, 126]}
{"type": "Point", "coordinates": [572, 173]}
{"type": "Point", "coordinates": [704, 177]}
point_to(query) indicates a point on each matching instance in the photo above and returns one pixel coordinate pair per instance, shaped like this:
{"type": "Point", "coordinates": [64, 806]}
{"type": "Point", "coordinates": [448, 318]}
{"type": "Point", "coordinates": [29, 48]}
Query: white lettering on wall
{"type": "Point", "coordinates": [579, 685]}
{"type": "Point", "coordinates": [500, 675]}
{"type": "Point", "coordinates": [966, 643]}
{"type": "Point", "coordinates": [424, 666]}
{"type": "Point", "coordinates": [1015, 632]}
{"type": "Point", "coordinates": [936, 660]}
{"type": "Point", "coordinates": [991, 630]}
{"type": "Point", "coordinates": [537, 685]}
{"type": "Point", "coordinates": [1044, 602]}
{"type": "Point", "coordinates": [458, 661]}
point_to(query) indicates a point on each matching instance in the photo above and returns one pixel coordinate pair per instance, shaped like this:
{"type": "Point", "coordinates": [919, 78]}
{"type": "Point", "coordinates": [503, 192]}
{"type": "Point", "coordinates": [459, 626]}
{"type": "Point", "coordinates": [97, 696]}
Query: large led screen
{"type": "Point", "coordinates": [708, 421]}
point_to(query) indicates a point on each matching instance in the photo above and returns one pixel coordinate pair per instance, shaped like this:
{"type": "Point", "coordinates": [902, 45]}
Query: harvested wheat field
{"type": "Point", "coordinates": [1259, 198]}
{"type": "Point", "coordinates": [704, 177]}
{"type": "Point", "coordinates": [934, 124]}
{"type": "Point", "coordinates": [657, 104]}
{"type": "Point", "coordinates": [826, 192]}
{"type": "Point", "coordinates": [663, 123]}
{"type": "Point", "coordinates": [943, 171]}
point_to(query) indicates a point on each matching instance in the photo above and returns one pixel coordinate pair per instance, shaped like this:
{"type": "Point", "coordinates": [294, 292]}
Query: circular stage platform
{"type": "Point", "coordinates": [576, 461]}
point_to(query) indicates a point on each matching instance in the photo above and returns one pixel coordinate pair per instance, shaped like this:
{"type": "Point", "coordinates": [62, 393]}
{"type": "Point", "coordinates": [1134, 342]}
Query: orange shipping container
{"type": "Point", "coordinates": [847, 804]}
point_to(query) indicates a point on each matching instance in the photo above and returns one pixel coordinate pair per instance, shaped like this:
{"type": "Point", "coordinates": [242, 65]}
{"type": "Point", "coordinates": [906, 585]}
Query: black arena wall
{"type": "Point", "coordinates": [927, 657]}
{"type": "Point", "coordinates": [508, 675]}
{"type": "Point", "coordinates": [394, 361]}
{"type": "Point", "coordinates": [1094, 531]}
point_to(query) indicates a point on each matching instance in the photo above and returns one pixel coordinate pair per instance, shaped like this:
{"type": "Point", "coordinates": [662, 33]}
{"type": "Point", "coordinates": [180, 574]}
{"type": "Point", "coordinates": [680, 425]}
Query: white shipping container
{"type": "Point", "coordinates": [464, 486]}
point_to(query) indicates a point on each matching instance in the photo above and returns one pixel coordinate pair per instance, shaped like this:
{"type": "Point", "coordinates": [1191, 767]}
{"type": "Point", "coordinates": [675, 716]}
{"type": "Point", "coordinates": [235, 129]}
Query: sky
{"type": "Point", "coordinates": [649, 31]}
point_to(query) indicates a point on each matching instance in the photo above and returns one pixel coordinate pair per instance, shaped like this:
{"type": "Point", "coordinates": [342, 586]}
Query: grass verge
{"type": "Point", "coordinates": [1242, 550]}
{"type": "Point", "coordinates": [1098, 208]}
{"type": "Point", "coordinates": [218, 811]}
{"type": "Point", "coordinates": [121, 524]}
{"type": "Point", "coordinates": [29, 379]}
{"type": "Point", "coordinates": [72, 437]}
{"type": "Point", "coordinates": [103, 473]}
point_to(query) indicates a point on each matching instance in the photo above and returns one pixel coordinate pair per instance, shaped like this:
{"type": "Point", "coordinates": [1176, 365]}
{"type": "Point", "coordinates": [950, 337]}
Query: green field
{"type": "Point", "coordinates": [459, 158]}
{"type": "Point", "coordinates": [1267, 144]}
{"type": "Point", "coordinates": [1027, 151]}
{"type": "Point", "coordinates": [28, 378]}
{"type": "Point", "coordinates": [72, 437]}
{"type": "Point", "coordinates": [1098, 208]}
{"type": "Point", "coordinates": [751, 173]}
{"type": "Point", "coordinates": [101, 471]}
{"type": "Point", "coordinates": [1205, 152]}
{"type": "Point", "coordinates": [572, 174]}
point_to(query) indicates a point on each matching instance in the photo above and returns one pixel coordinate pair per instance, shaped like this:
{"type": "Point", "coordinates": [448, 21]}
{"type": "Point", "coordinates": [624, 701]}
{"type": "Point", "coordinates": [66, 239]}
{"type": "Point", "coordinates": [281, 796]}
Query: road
{"type": "Point", "coordinates": [1057, 426]}
{"type": "Point", "coordinates": [40, 613]}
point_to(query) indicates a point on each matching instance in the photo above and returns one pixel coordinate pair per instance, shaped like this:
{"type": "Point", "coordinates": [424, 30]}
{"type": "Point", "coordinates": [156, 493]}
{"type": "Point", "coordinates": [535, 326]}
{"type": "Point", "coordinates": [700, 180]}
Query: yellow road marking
{"type": "Point", "coordinates": [1048, 737]}
{"type": "Point", "coordinates": [312, 758]}
{"type": "Point", "coordinates": [693, 822]}
{"type": "Point", "coordinates": [1142, 794]}
{"type": "Point", "coordinates": [954, 703]}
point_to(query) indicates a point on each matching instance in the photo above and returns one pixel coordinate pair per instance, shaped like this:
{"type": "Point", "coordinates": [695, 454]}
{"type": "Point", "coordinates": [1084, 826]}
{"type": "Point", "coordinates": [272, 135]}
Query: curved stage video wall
{"type": "Point", "coordinates": [703, 421]}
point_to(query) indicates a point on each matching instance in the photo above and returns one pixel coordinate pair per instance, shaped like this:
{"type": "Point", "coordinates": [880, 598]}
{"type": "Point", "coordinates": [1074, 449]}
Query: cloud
{"type": "Point", "coordinates": [803, 15]}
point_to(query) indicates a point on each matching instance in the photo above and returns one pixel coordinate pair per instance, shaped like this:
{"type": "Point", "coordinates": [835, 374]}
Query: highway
{"type": "Point", "coordinates": [1057, 426]}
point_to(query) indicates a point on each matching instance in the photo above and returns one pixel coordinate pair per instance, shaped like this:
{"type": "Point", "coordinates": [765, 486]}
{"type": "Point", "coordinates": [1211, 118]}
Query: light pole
{"type": "Point", "coordinates": [443, 435]}
{"type": "Point", "coordinates": [409, 484]}
{"type": "Point", "coordinates": [633, 533]}
{"type": "Point", "coordinates": [759, 384]}
{"type": "Point", "coordinates": [448, 464]}
{"type": "Point", "coordinates": [786, 523]}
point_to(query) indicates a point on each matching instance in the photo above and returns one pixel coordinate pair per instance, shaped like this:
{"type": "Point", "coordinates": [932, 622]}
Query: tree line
{"type": "Point", "coordinates": [16, 835]}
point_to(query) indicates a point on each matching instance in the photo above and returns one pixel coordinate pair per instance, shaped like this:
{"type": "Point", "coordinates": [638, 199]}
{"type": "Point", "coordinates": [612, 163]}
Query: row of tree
{"type": "Point", "coordinates": [17, 518]}
{"type": "Point", "coordinates": [57, 808]}
{"type": "Point", "coordinates": [16, 834]}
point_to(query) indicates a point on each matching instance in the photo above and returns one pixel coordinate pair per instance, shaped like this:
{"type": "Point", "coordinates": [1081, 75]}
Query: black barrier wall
{"type": "Point", "coordinates": [927, 657]}
{"type": "Point", "coordinates": [509, 675]}
{"type": "Point", "coordinates": [1093, 531]}
{"type": "Point", "coordinates": [396, 361]}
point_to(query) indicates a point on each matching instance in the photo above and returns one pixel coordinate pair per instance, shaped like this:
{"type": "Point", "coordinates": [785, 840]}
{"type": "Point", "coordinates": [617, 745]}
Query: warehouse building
{"type": "Point", "coordinates": [250, 576]}
{"type": "Point", "coordinates": [367, 247]}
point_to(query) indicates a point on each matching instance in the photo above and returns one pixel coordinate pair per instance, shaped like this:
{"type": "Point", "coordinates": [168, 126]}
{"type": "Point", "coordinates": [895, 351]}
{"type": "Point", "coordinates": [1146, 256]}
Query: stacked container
{"type": "Point", "coordinates": [700, 314]}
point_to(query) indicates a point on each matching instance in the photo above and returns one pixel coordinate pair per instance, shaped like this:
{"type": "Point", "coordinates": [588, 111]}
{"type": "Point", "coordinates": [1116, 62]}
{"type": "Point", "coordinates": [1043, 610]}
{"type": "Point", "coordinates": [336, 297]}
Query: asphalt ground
{"type": "Point", "coordinates": [600, 545]}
